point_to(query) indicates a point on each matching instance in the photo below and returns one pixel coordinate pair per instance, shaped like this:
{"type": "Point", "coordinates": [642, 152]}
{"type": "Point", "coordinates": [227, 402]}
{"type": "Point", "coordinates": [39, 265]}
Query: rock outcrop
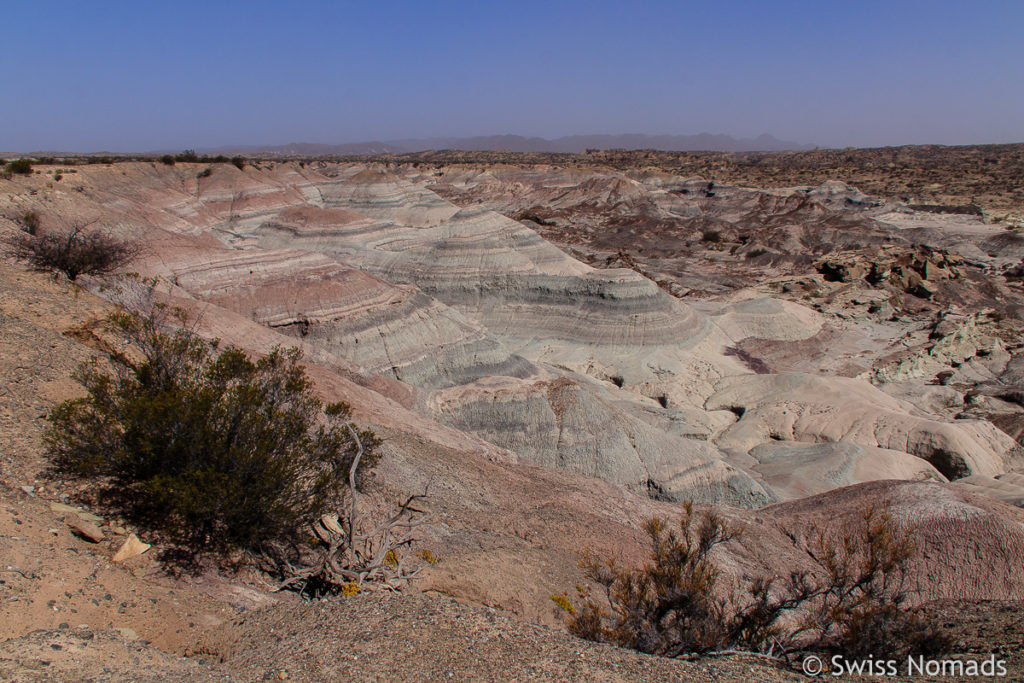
{"type": "Point", "coordinates": [794, 407]}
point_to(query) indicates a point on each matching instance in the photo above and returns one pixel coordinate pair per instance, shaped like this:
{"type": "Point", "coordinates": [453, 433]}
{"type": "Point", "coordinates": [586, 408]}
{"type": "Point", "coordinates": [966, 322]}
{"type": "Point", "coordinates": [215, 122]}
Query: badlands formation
{"type": "Point", "coordinates": [483, 326]}
{"type": "Point", "coordinates": [558, 351]}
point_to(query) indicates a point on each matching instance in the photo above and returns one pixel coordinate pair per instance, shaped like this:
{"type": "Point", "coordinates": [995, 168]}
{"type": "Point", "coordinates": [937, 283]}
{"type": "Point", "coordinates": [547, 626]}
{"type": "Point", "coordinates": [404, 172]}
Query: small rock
{"type": "Point", "coordinates": [61, 508]}
{"type": "Point", "coordinates": [128, 633]}
{"type": "Point", "coordinates": [332, 524]}
{"type": "Point", "coordinates": [131, 547]}
{"type": "Point", "coordinates": [89, 517]}
{"type": "Point", "coordinates": [28, 490]}
{"type": "Point", "coordinates": [84, 529]}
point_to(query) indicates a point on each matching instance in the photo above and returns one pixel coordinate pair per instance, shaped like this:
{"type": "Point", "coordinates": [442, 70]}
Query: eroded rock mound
{"type": "Point", "coordinates": [795, 407]}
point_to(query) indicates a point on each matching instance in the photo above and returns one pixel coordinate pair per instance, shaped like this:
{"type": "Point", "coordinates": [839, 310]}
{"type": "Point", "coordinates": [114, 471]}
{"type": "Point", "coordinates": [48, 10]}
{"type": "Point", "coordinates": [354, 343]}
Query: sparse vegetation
{"type": "Point", "coordinates": [29, 222]}
{"type": "Point", "coordinates": [563, 603]}
{"type": "Point", "coordinates": [238, 162]}
{"type": "Point", "coordinates": [210, 450]}
{"type": "Point", "coordinates": [205, 173]}
{"type": "Point", "coordinates": [671, 606]}
{"type": "Point", "coordinates": [167, 160]}
{"type": "Point", "coordinates": [74, 251]}
{"type": "Point", "coordinates": [861, 608]}
{"type": "Point", "coordinates": [19, 167]}
{"type": "Point", "coordinates": [674, 605]}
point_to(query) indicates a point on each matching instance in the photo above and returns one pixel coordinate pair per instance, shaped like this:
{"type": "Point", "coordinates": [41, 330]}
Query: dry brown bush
{"type": "Point", "coordinates": [861, 604]}
{"type": "Point", "coordinates": [74, 251]}
{"type": "Point", "coordinates": [675, 606]}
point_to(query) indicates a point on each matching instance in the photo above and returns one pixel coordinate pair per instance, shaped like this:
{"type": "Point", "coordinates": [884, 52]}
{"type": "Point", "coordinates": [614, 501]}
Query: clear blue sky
{"type": "Point", "coordinates": [140, 75]}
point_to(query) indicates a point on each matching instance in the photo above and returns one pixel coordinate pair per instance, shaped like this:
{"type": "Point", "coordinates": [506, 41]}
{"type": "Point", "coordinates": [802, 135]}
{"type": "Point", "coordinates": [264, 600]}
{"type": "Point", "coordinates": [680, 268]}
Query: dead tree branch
{"type": "Point", "coordinates": [351, 555]}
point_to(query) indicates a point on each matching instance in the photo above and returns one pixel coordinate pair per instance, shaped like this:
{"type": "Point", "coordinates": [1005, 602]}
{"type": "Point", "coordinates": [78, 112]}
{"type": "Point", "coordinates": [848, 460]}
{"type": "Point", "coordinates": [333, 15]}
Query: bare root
{"type": "Point", "coordinates": [352, 554]}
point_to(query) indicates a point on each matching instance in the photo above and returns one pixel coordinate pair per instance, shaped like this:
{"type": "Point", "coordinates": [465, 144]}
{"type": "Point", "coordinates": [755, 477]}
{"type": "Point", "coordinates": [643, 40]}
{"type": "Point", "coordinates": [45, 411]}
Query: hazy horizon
{"type": "Point", "coordinates": [213, 149]}
{"type": "Point", "coordinates": [129, 77]}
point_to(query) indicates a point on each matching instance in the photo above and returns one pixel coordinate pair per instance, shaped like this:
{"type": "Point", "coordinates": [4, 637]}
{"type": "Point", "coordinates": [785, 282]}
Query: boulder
{"type": "Point", "coordinates": [880, 270]}
{"type": "Point", "coordinates": [933, 271]}
{"type": "Point", "coordinates": [844, 270]}
{"type": "Point", "coordinates": [924, 289]}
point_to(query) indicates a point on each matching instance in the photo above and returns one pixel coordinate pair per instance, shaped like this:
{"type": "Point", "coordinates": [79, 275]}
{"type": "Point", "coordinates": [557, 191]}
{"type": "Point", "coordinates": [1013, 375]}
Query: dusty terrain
{"type": "Point", "coordinates": [947, 180]}
{"type": "Point", "coordinates": [555, 352]}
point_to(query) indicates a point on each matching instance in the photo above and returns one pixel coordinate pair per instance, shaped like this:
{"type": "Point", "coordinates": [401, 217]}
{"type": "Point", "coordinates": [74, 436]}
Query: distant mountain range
{"type": "Point", "coordinates": [572, 144]}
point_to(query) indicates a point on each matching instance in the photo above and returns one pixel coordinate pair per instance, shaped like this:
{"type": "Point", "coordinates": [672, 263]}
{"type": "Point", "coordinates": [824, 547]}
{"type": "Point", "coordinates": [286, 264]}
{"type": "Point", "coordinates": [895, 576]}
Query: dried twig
{"type": "Point", "coordinates": [348, 556]}
{"type": "Point", "coordinates": [15, 570]}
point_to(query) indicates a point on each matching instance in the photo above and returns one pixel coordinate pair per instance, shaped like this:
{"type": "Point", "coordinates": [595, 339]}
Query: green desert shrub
{"type": "Point", "coordinates": [19, 166]}
{"type": "Point", "coordinates": [167, 160]}
{"type": "Point", "coordinates": [212, 450]}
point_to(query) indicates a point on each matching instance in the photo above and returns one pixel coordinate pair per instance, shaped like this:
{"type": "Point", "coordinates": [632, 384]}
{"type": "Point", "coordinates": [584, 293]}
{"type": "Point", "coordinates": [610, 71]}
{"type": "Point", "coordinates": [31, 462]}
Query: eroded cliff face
{"type": "Point", "coordinates": [422, 289]}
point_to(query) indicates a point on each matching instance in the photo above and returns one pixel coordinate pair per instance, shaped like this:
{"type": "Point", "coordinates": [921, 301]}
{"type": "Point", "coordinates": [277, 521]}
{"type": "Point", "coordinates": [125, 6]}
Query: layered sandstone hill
{"type": "Point", "coordinates": [481, 324]}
